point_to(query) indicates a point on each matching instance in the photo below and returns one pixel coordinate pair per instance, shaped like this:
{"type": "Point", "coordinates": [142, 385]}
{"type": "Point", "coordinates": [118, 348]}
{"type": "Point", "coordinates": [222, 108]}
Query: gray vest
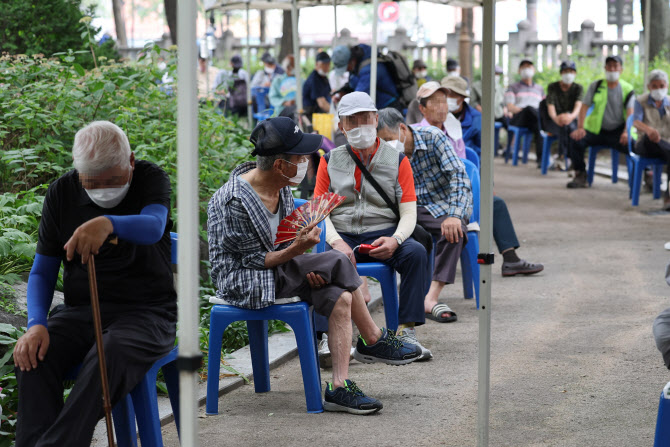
{"type": "Point", "coordinates": [364, 211]}
{"type": "Point", "coordinates": [652, 117]}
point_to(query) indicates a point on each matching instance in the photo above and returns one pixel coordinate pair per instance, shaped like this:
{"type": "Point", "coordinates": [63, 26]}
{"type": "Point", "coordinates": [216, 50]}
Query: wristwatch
{"type": "Point", "coordinates": [397, 238]}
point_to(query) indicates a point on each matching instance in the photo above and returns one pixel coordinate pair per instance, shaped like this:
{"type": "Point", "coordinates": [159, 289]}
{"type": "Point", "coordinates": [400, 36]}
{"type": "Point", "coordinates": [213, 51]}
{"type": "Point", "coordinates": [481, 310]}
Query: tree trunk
{"type": "Point", "coordinates": [660, 16]}
{"type": "Point", "coordinates": [171, 16]}
{"type": "Point", "coordinates": [262, 30]}
{"type": "Point", "coordinates": [120, 23]}
{"type": "Point", "coordinates": [286, 46]}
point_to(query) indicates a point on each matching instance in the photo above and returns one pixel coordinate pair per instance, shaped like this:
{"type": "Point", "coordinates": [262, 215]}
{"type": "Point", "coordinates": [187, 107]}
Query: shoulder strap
{"type": "Point", "coordinates": [372, 181]}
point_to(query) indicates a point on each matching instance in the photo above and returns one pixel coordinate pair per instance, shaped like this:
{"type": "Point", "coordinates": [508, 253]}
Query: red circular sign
{"type": "Point", "coordinates": [389, 12]}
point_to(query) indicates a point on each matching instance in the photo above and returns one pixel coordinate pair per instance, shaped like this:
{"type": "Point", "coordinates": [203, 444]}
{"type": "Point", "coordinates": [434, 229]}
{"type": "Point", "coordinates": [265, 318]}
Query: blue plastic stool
{"type": "Point", "coordinates": [141, 405]}
{"type": "Point", "coordinates": [520, 133]}
{"type": "Point", "coordinates": [471, 155]}
{"type": "Point", "coordinates": [547, 141]}
{"type": "Point", "coordinates": [662, 438]}
{"type": "Point", "coordinates": [496, 136]}
{"type": "Point", "coordinates": [298, 316]}
{"type": "Point", "coordinates": [469, 265]}
{"type": "Point", "coordinates": [262, 113]}
{"type": "Point", "coordinates": [637, 165]}
{"type": "Point", "coordinates": [591, 170]}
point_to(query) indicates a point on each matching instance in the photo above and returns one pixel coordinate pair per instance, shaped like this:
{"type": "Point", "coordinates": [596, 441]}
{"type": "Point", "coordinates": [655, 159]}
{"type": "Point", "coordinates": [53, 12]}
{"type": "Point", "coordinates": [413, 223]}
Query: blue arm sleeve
{"type": "Point", "coordinates": [41, 286]}
{"type": "Point", "coordinates": [638, 114]}
{"type": "Point", "coordinates": [145, 228]}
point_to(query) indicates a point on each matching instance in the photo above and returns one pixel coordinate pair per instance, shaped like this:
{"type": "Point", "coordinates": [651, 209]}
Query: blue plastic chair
{"type": "Point", "coordinates": [547, 141]}
{"type": "Point", "coordinates": [637, 165]}
{"type": "Point", "coordinates": [297, 315]}
{"type": "Point", "coordinates": [518, 134]}
{"type": "Point", "coordinates": [469, 265]}
{"type": "Point", "coordinates": [496, 136]}
{"type": "Point", "coordinates": [591, 170]}
{"type": "Point", "coordinates": [662, 438]}
{"type": "Point", "coordinates": [471, 154]}
{"type": "Point", "coordinates": [262, 113]}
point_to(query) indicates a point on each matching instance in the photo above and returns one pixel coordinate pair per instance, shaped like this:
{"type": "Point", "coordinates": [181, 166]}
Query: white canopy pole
{"type": "Point", "coordinates": [335, 16]}
{"type": "Point", "coordinates": [486, 221]}
{"type": "Point", "coordinates": [647, 37]}
{"type": "Point", "coordinates": [565, 12]}
{"type": "Point", "coordinates": [250, 108]}
{"type": "Point", "coordinates": [189, 357]}
{"type": "Point", "coordinates": [373, 58]}
{"type": "Point", "coordinates": [297, 64]}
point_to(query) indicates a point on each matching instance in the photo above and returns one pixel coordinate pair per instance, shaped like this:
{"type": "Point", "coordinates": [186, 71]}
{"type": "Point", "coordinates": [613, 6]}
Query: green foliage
{"type": "Point", "coordinates": [29, 28]}
{"type": "Point", "coordinates": [9, 403]}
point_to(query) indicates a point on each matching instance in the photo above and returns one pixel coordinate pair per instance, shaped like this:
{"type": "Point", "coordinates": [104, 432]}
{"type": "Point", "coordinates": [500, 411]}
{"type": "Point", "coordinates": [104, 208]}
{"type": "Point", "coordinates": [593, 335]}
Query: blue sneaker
{"type": "Point", "coordinates": [388, 349]}
{"type": "Point", "coordinates": [349, 398]}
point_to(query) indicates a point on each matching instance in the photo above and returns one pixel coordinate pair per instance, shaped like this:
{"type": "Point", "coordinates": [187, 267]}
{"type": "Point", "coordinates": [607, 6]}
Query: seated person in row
{"type": "Point", "coordinates": [523, 104]}
{"type": "Point", "coordinates": [433, 106]}
{"type": "Point", "coordinates": [109, 193]}
{"type": "Point", "coordinates": [283, 88]}
{"type": "Point", "coordinates": [499, 111]}
{"type": "Point", "coordinates": [365, 217]}
{"type": "Point", "coordinates": [444, 199]}
{"type": "Point", "coordinates": [316, 89]}
{"type": "Point", "coordinates": [251, 272]}
{"type": "Point", "coordinates": [469, 117]}
{"type": "Point", "coordinates": [611, 100]}
{"type": "Point", "coordinates": [652, 121]}
{"type": "Point", "coordinates": [563, 103]}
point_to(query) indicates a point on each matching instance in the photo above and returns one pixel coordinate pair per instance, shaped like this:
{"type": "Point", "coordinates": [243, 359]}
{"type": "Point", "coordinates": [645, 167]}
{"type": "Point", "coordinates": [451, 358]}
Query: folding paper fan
{"type": "Point", "coordinates": [314, 211]}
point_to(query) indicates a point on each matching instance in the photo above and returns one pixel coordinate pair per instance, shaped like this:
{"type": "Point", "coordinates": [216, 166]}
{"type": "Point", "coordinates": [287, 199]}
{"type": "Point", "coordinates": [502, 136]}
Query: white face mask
{"type": "Point", "coordinates": [659, 93]}
{"type": "Point", "coordinates": [300, 174]}
{"type": "Point", "coordinates": [527, 73]}
{"type": "Point", "coordinates": [568, 78]}
{"type": "Point", "coordinates": [452, 74]}
{"type": "Point", "coordinates": [612, 76]}
{"type": "Point", "coordinates": [321, 72]}
{"type": "Point", "coordinates": [421, 74]}
{"type": "Point", "coordinates": [268, 70]}
{"type": "Point", "coordinates": [362, 137]}
{"type": "Point", "coordinates": [452, 104]}
{"type": "Point", "coordinates": [108, 197]}
{"type": "Point", "coordinates": [398, 144]}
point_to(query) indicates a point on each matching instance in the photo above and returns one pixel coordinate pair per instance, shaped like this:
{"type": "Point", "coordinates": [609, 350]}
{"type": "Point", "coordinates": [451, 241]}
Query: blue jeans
{"type": "Point", "coordinates": [503, 228]}
{"type": "Point", "coordinates": [410, 260]}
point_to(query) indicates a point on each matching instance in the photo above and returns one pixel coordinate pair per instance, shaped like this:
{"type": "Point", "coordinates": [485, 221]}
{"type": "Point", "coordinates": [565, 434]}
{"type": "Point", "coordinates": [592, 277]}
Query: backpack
{"type": "Point", "coordinates": [238, 94]}
{"type": "Point", "coordinates": [400, 73]}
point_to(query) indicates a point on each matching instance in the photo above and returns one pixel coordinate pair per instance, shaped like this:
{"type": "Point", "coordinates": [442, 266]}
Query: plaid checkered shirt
{"type": "Point", "coordinates": [239, 238]}
{"type": "Point", "coordinates": [441, 183]}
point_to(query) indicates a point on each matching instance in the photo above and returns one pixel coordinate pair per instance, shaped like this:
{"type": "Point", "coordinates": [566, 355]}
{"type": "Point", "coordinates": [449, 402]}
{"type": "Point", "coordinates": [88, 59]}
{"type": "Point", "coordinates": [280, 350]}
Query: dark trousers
{"type": "Point", "coordinates": [503, 228]}
{"type": "Point", "coordinates": [646, 148]}
{"type": "Point", "coordinates": [133, 341]}
{"type": "Point", "coordinates": [410, 260]}
{"type": "Point", "coordinates": [562, 132]}
{"type": "Point", "coordinates": [446, 254]}
{"type": "Point", "coordinates": [609, 138]}
{"type": "Point", "coordinates": [529, 118]}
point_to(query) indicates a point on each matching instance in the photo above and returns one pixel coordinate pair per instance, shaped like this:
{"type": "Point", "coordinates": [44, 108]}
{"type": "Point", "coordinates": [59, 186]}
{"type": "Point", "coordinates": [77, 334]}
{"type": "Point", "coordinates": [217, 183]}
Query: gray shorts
{"type": "Point", "coordinates": [333, 266]}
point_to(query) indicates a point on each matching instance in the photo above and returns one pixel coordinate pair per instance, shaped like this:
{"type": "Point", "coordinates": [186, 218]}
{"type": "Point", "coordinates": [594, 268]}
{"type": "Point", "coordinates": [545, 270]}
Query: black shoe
{"type": "Point", "coordinates": [520, 268]}
{"type": "Point", "coordinates": [349, 398]}
{"type": "Point", "coordinates": [579, 181]}
{"type": "Point", "coordinates": [388, 349]}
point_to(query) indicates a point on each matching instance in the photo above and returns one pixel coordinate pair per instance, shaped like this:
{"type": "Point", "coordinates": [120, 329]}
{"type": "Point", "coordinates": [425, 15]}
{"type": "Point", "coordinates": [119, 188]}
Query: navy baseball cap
{"type": "Point", "coordinates": [526, 61]}
{"type": "Point", "coordinates": [614, 58]}
{"type": "Point", "coordinates": [282, 135]}
{"type": "Point", "coordinates": [567, 65]}
{"type": "Point", "coordinates": [236, 61]}
{"type": "Point", "coordinates": [323, 57]}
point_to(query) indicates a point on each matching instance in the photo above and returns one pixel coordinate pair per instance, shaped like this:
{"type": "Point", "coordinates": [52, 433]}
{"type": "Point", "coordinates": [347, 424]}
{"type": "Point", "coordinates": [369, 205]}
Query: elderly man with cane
{"type": "Point", "coordinates": [108, 194]}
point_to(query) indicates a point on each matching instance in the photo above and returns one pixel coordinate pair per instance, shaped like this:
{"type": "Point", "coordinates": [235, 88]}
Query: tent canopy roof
{"type": "Point", "coordinates": [228, 5]}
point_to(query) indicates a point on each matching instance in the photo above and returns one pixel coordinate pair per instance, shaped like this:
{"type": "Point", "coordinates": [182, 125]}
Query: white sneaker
{"type": "Point", "coordinates": [408, 335]}
{"type": "Point", "coordinates": [325, 359]}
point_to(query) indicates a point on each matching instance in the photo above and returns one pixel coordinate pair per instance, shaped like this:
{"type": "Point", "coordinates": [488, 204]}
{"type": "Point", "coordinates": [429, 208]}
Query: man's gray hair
{"type": "Point", "coordinates": [389, 118]}
{"type": "Point", "coordinates": [265, 162]}
{"type": "Point", "coordinates": [657, 75]}
{"type": "Point", "coordinates": [99, 146]}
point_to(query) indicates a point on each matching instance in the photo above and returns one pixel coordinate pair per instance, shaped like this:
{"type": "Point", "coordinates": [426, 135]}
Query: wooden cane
{"type": "Point", "coordinates": [97, 324]}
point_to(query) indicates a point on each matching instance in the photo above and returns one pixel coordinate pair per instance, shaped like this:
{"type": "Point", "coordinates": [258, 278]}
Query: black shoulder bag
{"type": "Point", "coordinates": [420, 234]}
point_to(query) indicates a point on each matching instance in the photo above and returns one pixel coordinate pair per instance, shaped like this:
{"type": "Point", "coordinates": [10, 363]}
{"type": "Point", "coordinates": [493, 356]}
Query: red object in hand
{"type": "Point", "coordinates": [364, 249]}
